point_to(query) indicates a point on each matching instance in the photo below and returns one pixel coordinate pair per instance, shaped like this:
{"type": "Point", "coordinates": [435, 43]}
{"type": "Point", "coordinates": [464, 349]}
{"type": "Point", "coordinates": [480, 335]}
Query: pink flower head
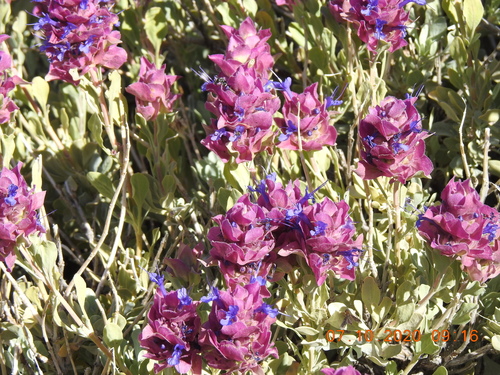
{"type": "Point", "coordinates": [375, 20]}
{"type": "Point", "coordinates": [7, 84]}
{"type": "Point", "coordinates": [290, 3]}
{"type": "Point", "coordinates": [465, 228]}
{"type": "Point", "coordinates": [244, 113]}
{"type": "Point", "coordinates": [171, 336]}
{"type": "Point", "coordinates": [241, 244]}
{"type": "Point", "coordinates": [238, 95]}
{"type": "Point", "coordinates": [305, 116]}
{"type": "Point", "coordinates": [330, 243]}
{"type": "Point", "coordinates": [322, 233]}
{"type": "Point", "coordinates": [78, 35]}
{"type": "Point", "coordinates": [246, 48]}
{"type": "Point", "coordinates": [347, 370]}
{"type": "Point", "coordinates": [237, 335]}
{"type": "Point", "coordinates": [152, 92]}
{"type": "Point", "coordinates": [392, 141]}
{"type": "Point", "coordinates": [18, 216]}
{"type": "Point", "coordinates": [253, 239]}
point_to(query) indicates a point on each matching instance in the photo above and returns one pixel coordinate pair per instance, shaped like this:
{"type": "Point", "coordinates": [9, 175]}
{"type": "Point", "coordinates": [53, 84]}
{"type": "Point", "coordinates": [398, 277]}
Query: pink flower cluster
{"type": "Point", "coordinates": [18, 216]}
{"type": "Point", "coordinates": [152, 92]}
{"type": "Point", "coordinates": [171, 336]}
{"type": "Point", "coordinates": [347, 370]}
{"type": "Point", "coordinates": [244, 101]}
{"type": "Point", "coordinates": [236, 337]}
{"type": "Point", "coordinates": [238, 97]}
{"type": "Point", "coordinates": [465, 228]}
{"type": "Point", "coordinates": [306, 121]}
{"type": "Point", "coordinates": [255, 237]}
{"type": "Point", "coordinates": [290, 3]}
{"type": "Point", "coordinates": [78, 35]}
{"type": "Point", "coordinates": [392, 141]}
{"type": "Point", "coordinates": [7, 84]}
{"type": "Point", "coordinates": [375, 20]}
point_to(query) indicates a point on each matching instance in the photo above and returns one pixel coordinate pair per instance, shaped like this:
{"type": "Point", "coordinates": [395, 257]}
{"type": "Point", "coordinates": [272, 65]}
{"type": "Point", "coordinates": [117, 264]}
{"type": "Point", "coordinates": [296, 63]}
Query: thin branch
{"type": "Point", "coordinates": [472, 356]}
{"type": "Point", "coordinates": [486, 179]}
{"type": "Point", "coordinates": [461, 137]}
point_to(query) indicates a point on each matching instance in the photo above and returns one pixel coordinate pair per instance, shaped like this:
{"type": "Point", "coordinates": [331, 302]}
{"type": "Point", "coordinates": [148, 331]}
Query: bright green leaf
{"type": "Point", "coordinates": [102, 183]}
{"type": "Point", "coordinates": [473, 13]}
{"type": "Point", "coordinates": [95, 127]}
{"type": "Point", "coordinates": [307, 331]}
{"type": "Point", "coordinates": [237, 175]}
{"type": "Point", "coordinates": [45, 257]}
{"type": "Point", "coordinates": [140, 188]}
{"type": "Point", "coordinates": [390, 351]}
{"type": "Point", "coordinates": [8, 147]}
{"type": "Point", "coordinates": [251, 7]}
{"type": "Point", "coordinates": [495, 341]}
{"type": "Point", "coordinates": [370, 293]}
{"type": "Point", "coordinates": [441, 370]}
{"type": "Point", "coordinates": [426, 345]}
{"type": "Point", "coordinates": [112, 335]}
{"type": "Point", "coordinates": [81, 292]}
{"type": "Point", "coordinates": [156, 27]}
{"type": "Point", "coordinates": [494, 167]}
{"type": "Point", "coordinates": [41, 92]}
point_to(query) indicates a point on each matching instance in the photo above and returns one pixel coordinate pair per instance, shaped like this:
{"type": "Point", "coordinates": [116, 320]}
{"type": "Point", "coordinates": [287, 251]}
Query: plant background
{"type": "Point", "coordinates": [133, 209]}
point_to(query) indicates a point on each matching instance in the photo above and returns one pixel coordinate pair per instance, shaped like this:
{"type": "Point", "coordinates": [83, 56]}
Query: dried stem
{"type": "Point", "coordinates": [107, 224]}
{"type": "Point", "coordinates": [461, 138]}
{"type": "Point", "coordinates": [123, 210]}
{"type": "Point", "coordinates": [486, 180]}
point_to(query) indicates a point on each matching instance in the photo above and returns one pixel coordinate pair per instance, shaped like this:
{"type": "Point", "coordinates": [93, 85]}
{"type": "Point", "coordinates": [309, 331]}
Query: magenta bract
{"type": "Point", "coordinates": [237, 96]}
{"type": "Point", "coordinates": [78, 35]}
{"type": "Point", "coordinates": [171, 336]}
{"type": "Point", "coordinates": [152, 92]}
{"type": "Point", "coordinates": [237, 335]}
{"type": "Point", "coordinates": [254, 238]}
{"type": "Point", "coordinates": [7, 84]}
{"type": "Point", "coordinates": [18, 216]}
{"type": "Point", "coordinates": [392, 141]}
{"type": "Point", "coordinates": [347, 370]}
{"type": "Point", "coordinates": [306, 116]}
{"type": "Point", "coordinates": [375, 20]}
{"type": "Point", "coordinates": [465, 228]}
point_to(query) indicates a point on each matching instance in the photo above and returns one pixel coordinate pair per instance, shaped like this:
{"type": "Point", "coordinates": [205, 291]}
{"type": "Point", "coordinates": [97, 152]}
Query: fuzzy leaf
{"type": "Point", "coordinates": [495, 341]}
{"type": "Point", "coordinates": [41, 91]}
{"type": "Point", "coordinates": [426, 345]}
{"type": "Point", "coordinates": [140, 188]}
{"type": "Point", "coordinates": [473, 12]}
{"type": "Point", "coordinates": [112, 335]}
{"type": "Point", "coordinates": [370, 294]}
{"type": "Point", "coordinates": [441, 370]}
{"type": "Point", "coordinates": [155, 26]}
{"type": "Point", "coordinates": [308, 331]}
{"type": "Point", "coordinates": [102, 183]}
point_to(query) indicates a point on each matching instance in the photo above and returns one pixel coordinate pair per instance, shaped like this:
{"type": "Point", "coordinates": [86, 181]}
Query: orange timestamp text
{"type": "Point", "coordinates": [407, 335]}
